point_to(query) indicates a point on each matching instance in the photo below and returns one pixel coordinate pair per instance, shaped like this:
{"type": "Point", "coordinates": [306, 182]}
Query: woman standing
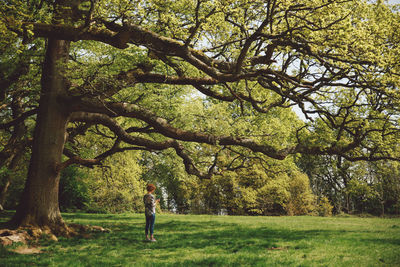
{"type": "Point", "coordinates": [150, 211]}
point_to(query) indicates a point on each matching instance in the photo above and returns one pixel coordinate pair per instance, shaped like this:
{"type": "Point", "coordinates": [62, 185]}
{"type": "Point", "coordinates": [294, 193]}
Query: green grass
{"type": "Point", "coordinates": [202, 240]}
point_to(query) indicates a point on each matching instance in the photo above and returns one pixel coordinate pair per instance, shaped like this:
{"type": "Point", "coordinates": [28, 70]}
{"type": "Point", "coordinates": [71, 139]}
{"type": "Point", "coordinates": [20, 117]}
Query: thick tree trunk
{"type": "Point", "coordinates": [39, 202]}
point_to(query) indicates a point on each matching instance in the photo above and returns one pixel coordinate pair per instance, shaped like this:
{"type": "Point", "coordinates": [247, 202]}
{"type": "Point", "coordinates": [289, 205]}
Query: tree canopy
{"type": "Point", "coordinates": [123, 70]}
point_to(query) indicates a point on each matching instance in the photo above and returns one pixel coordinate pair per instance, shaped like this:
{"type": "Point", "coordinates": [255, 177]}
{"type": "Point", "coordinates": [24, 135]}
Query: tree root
{"type": "Point", "coordinates": [32, 234]}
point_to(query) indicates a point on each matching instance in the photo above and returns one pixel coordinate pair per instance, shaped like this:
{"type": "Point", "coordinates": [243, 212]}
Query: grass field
{"type": "Point", "coordinates": [202, 240]}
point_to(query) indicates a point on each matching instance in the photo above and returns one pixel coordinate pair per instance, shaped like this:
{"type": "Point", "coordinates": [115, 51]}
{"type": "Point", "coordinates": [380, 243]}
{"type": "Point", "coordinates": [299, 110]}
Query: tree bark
{"type": "Point", "coordinates": [39, 203]}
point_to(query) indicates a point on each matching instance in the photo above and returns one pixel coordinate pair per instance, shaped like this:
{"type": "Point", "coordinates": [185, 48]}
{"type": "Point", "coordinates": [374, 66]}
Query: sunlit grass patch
{"type": "Point", "coordinates": [204, 240]}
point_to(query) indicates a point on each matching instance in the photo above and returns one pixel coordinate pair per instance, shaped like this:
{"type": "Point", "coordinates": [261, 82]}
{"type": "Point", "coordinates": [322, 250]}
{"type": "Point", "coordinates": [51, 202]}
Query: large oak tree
{"type": "Point", "coordinates": [336, 61]}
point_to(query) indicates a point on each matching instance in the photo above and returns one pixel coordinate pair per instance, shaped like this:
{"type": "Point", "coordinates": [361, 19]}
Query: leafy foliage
{"type": "Point", "coordinates": [354, 187]}
{"type": "Point", "coordinates": [116, 187]}
{"type": "Point", "coordinates": [74, 193]}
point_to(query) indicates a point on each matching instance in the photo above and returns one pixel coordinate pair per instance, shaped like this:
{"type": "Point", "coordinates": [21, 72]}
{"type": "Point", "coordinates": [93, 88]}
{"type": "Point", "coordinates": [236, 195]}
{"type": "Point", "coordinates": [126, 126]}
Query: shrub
{"type": "Point", "coordinates": [324, 207]}
{"type": "Point", "coordinates": [301, 200]}
{"type": "Point", "coordinates": [273, 196]}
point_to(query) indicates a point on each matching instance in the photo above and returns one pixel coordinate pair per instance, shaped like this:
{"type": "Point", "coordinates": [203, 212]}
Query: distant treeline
{"type": "Point", "coordinates": [315, 185]}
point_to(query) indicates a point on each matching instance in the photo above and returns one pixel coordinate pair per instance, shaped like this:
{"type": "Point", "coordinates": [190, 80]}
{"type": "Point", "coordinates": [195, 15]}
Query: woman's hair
{"type": "Point", "coordinates": [150, 187]}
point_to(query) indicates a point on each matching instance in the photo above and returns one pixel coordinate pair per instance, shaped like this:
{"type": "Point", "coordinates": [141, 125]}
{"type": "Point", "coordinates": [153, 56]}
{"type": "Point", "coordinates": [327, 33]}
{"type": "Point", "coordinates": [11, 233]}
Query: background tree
{"type": "Point", "coordinates": [18, 63]}
{"type": "Point", "coordinates": [354, 187]}
{"type": "Point", "coordinates": [115, 187]}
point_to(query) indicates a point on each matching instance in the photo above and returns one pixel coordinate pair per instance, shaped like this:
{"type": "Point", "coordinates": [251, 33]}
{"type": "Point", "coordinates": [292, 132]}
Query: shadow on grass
{"type": "Point", "coordinates": [229, 237]}
{"type": "Point", "coordinates": [128, 232]}
{"type": "Point", "coordinates": [217, 239]}
{"type": "Point", "coordinates": [93, 216]}
{"type": "Point", "coordinates": [220, 241]}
